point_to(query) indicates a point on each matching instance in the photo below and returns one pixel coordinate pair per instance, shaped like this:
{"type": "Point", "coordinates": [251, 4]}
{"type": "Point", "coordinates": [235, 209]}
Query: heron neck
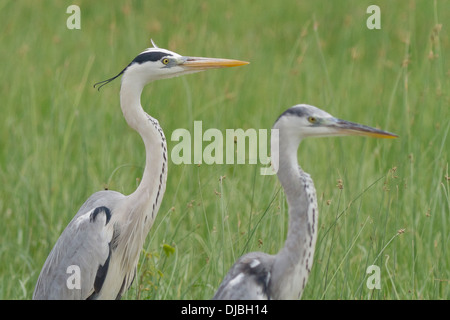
{"type": "Point", "coordinates": [293, 262]}
{"type": "Point", "coordinates": [292, 179]}
{"type": "Point", "coordinates": [130, 102]}
{"type": "Point", "coordinates": [284, 158]}
{"type": "Point", "coordinates": [149, 193]}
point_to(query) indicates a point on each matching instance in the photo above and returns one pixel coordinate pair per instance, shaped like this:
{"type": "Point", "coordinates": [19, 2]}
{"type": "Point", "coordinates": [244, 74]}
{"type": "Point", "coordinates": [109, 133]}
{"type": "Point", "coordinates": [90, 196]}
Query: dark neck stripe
{"type": "Point", "coordinates": [143, 57]}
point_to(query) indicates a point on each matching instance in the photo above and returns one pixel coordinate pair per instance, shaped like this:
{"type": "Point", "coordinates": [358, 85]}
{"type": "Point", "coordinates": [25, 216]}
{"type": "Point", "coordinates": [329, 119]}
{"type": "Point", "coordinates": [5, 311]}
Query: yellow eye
{"type": "Point", "coordinates": [165, 61]}
{"type": "Point", "coordinates": [312, 119]}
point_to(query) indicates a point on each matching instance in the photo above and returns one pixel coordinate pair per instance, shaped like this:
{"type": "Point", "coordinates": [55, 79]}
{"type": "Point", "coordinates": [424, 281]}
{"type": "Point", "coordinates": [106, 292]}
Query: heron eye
{"type": "Point", "coordinates": [165, 61]}
{"type": "Point", "coordinates": [312, 119]}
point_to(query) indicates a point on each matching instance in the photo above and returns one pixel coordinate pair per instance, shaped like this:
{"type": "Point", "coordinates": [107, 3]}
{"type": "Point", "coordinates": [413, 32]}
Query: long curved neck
{"type": "Point", "coordinates": [293, 263]}
{"type": "Point", "coordinates": [148, 196]}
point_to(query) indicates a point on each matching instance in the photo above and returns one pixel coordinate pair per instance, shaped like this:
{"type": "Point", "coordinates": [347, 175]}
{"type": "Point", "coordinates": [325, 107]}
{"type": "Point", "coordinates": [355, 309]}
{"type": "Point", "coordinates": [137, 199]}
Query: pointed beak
{"type": "Point", "coordinates": [344, 127]}
{"type": "Point", "coordinates": [199, 63]}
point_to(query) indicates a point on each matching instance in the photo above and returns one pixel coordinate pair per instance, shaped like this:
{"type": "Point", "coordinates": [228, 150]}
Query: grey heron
{"type": "Point", "coordinates": [97, 253]}
{"type": "Point", "coordinates": [258, 275]}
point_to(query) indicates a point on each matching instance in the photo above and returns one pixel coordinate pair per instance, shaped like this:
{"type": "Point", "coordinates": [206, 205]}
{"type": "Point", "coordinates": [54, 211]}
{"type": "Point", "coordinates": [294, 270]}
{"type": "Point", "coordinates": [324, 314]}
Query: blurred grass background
{"type": "Point", "coordinates": [382, 202]}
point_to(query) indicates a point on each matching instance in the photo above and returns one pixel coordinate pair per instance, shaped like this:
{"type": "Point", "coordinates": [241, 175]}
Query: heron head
{"type": "Point", "coordinates": [305, 121]}
{"type": "Point", "coordinates": [157, 63]}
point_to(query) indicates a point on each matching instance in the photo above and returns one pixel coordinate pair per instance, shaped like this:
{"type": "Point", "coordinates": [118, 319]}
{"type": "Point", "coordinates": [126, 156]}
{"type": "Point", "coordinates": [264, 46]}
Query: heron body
{"type": "Point", "coordinates": [96, 255]}
{"type": "Point", "coordinates": [258, 275]}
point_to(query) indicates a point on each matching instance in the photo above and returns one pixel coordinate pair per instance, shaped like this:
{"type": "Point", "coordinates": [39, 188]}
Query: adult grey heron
{"type": "Point", "coordinates": [96, 255]}
{"type": "Point", "coordinates": [258, 275]}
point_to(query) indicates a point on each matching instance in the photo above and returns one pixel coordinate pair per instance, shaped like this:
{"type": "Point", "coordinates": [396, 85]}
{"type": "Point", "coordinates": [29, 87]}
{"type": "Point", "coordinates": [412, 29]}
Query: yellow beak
{"type": "Point", "coordinates": [199, 63]}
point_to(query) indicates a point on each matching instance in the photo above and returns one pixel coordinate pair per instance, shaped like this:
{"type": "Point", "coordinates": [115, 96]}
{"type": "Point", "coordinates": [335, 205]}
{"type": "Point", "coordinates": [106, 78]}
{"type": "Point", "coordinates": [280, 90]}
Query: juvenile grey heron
{"type": "Point", "coordinates": [258, 275]}
{"type": "Point", "coordinates": [96, 255]}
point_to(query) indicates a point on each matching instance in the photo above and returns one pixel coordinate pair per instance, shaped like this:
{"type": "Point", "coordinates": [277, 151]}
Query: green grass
{"type": "Point", "coordinates": [61, 140]}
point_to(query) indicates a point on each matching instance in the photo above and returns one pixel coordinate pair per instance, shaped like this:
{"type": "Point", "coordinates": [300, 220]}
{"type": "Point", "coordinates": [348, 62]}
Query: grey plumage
{"type": "Point", "coordinates": [97, 254]}
{"type": "Point", "coordinates": [258, 275]}
{"type": "Point", "coordinates": [256, 268]}
{"type": "Point", "coordinates": [84, 243]}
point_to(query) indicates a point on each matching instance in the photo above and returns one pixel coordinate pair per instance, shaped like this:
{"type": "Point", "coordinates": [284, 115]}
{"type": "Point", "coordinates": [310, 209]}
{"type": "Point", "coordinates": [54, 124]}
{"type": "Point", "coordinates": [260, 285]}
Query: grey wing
{"type": "Point", "coordinates": [77, 265]}
{"type": "Point", "coordinates": [248, 278]}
